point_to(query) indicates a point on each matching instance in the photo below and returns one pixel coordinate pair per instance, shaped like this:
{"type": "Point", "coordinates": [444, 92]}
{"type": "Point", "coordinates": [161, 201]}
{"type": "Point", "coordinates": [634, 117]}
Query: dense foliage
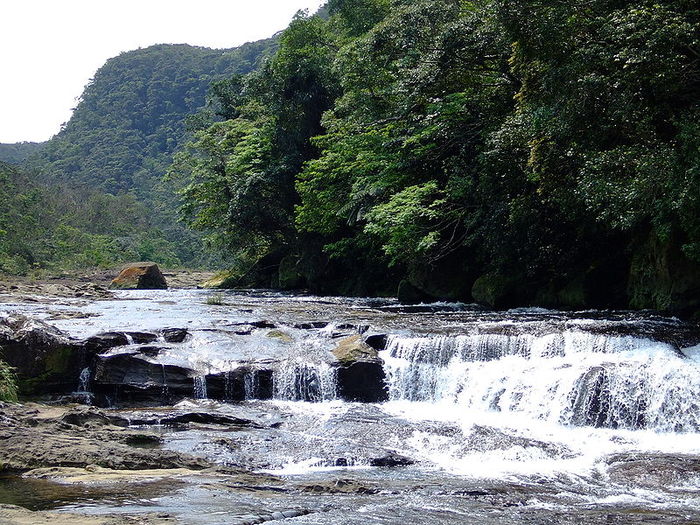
{"type": "Point", "coordinates": [47, 229]}
{"type": "Point", "coordinates": [514, 152]}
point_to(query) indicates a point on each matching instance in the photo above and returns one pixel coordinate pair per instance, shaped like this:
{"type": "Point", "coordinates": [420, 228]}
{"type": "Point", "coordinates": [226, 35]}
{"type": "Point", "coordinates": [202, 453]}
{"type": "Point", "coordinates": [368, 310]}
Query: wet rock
{"type": "Point", "coordinates": [280, 336]}
{"type": "Point", "coordinates": [174, 335]}
{"type": "Point", "coordinates": [150, 351]}
{"type": "Point", "coordinates": [140, 276]}
{"type": "Point", "coordinates": [141, 338]}
{"type": "Point", "coordinates": [133, 378]}
{"type": "Point", "coordinates": [376, 341]}
{"type": "Point", "coordinates": [201, 418]}
{"type": "Point", "coordinates": [653, 471]}
{"type": "Point", "coordinates": [262, 324]}
{"type": "Point", "coordinates": [45, 359]}
{"type": "Point", "coordinates": [391, 459]}
{"type": "Point", "coordinates": [104, 341]}
{"type": "Point", "coordinates": [360, 374]}
{"type": "Point", "coordinates": [245, 382]}
{"type": "Point", "coordinates": [340, 486]}
{"type": "Point", "coordinates": [311, 325]}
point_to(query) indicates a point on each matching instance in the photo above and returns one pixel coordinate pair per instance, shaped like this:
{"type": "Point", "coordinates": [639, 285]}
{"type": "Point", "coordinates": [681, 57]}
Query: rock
{"type": "Point", "coordinates": [174, 335]}
{"type": "Point", "coordinates": [93, 441]}
{"type": "Point", "coordinates": [202, 418]}
{"type": "Point", "coordinates": [311, 325]}
{"type": "Point", "coordinates": [133, 378]}
{"type": "Point", "coordinates": [44, 358]}
{"type": "Point", "coordinates": [391, 459]}
{"type": "Point", "coordinates": [495, 290]}
{"type": "Point", "coordinates": [377, 341]}
{"type": "Point", "coordinates": [104, 341]}
{"type": "Point", "coordinates": [280, 335]}
{"type": "Point", "coordinates": [353, 349]}
{"type": "Point", "coordinates": [140, 276]}
{"type": "Point", "coordinates": [360, 374]}
{"type": "Point", "coordinates": [409, 294]}
{"type": "Point", "coordinates": [231, 386]}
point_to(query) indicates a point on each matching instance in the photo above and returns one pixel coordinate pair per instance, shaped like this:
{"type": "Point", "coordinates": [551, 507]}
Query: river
{"type": "Point", "coordinates": [524, 416]}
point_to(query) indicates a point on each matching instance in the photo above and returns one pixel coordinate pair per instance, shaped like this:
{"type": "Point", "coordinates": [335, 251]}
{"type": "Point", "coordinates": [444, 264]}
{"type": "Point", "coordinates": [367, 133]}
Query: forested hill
{"type": "Point", "coordinates": [510, 152]}
{"type": "Point", "coordinates": [131, 116]}
{"type": "Point", "coordinates": [113, 153]}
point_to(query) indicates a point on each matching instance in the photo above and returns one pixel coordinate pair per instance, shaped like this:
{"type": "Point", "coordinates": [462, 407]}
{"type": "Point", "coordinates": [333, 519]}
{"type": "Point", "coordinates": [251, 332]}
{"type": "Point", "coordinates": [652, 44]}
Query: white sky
{"type": "Point", "coordinates": [51, 48]}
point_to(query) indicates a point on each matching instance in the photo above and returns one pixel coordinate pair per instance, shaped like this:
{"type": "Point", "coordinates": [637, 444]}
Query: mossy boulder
{"type": "Point", "coordinates": [496, 290]}
{"type": "Point", "coordinates": [44, 359]}
{"type": "Point", "coordinates": [290, 277]}
{"type": "Point", "coordinates": [280, 336]}
{"type": "Point", "coordinates": [140, 276]}
{"type": "Point", "coordinates": [353, 349]}
{"type": "Point", "coordinates": [663, 278]}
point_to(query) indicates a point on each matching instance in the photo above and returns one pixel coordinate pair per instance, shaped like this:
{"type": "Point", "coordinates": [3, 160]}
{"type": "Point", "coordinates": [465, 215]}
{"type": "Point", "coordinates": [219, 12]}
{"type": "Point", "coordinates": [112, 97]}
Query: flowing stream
{"type": "Point", "coordinates": [526, 416]}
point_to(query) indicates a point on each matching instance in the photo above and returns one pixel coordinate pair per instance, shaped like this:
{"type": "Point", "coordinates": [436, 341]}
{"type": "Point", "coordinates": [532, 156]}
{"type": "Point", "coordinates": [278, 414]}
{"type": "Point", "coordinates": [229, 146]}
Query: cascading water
{"type": "Point", "coordinates": [298, 381]}
{"type": "Point", "coordinates": [571, 377]}
{"type": "Point", "coordinates": [84, 381]}
{"type": "Point", "coordinates": [200, 387]}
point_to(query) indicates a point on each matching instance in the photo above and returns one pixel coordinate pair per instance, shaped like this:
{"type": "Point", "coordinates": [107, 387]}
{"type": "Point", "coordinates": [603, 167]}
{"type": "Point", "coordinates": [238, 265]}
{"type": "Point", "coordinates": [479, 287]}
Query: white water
{"type": "Point", "coordinates": [569, 378]}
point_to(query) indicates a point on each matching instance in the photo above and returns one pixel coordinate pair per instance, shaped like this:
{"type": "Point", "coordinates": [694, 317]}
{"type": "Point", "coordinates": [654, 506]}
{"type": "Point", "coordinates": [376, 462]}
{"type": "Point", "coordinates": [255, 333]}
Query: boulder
{"type": "Point", "coordinates": [140, 276]}
{"type": "Point", "coordinates": [174, 335]}
{"type": "Point", "coordinates": [105, 340]}
{"type": "Point", "coordinates": [44, 358]}
{"type": "Point", "coordinates": [409, 294]}
{"type": "Point", "coordinates": [360, 374]}
{"type": "Point", "coordinates": [496, 290]}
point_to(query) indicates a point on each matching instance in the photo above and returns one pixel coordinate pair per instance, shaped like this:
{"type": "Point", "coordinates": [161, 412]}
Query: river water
{"type": "Point", "coordinates": [525, 416]}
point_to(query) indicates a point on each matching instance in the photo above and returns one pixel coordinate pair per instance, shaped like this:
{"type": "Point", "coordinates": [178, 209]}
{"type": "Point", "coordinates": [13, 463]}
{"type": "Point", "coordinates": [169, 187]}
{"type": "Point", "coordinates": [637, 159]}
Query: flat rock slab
{"type": "Point", "coordinates": [13, 515]}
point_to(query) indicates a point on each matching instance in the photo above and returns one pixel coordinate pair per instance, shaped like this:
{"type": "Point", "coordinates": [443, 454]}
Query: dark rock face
{"type": "Point", "coordinates": [131, 377]}
{"type": "Point", "coordinates": [360, 375]}
{"type": "Point", "coordinates": [377, 341]}
{"type": "Point", "coordinates": [140, 276]}
{"type": "Point", "coordinates": [174, 335]}
{"type": "Point", "coordinates": [45, 359]}
{"type": "Point", "coordinates": [363, 382]}
{"type": "Point", "coordinates": [105, 340]}
{"type": "Point", "coordinates": [231, 386]}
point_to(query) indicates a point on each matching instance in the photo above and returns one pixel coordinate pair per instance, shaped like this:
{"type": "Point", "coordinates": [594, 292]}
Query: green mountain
{"type": "Point", "coordinates": [120, 139]}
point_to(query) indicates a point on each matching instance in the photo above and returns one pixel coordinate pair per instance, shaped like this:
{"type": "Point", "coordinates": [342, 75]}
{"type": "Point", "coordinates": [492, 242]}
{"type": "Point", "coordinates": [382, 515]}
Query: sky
{"type": "Point", "coordinates": [50, 49]}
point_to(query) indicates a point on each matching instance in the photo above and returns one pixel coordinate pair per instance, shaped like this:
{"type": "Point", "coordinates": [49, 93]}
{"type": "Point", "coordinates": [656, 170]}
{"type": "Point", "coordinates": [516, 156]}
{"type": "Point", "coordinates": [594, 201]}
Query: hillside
{"type": "Point", "coordinates": [120, 139]}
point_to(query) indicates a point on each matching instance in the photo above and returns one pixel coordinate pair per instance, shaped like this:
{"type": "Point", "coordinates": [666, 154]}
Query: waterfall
{"type": "Point", "coordinates": [200, 387]}
{"type": "Point", "coordinates": [298, 381]}
{"type": "Point", "coordinates": [570, 377]}
{"type": "Point", "coordinates": [84, 381]}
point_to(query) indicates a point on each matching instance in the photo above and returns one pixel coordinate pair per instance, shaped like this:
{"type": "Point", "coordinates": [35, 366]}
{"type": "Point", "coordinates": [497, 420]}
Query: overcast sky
{"type": "Point", "coordinates": [51, 48]}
